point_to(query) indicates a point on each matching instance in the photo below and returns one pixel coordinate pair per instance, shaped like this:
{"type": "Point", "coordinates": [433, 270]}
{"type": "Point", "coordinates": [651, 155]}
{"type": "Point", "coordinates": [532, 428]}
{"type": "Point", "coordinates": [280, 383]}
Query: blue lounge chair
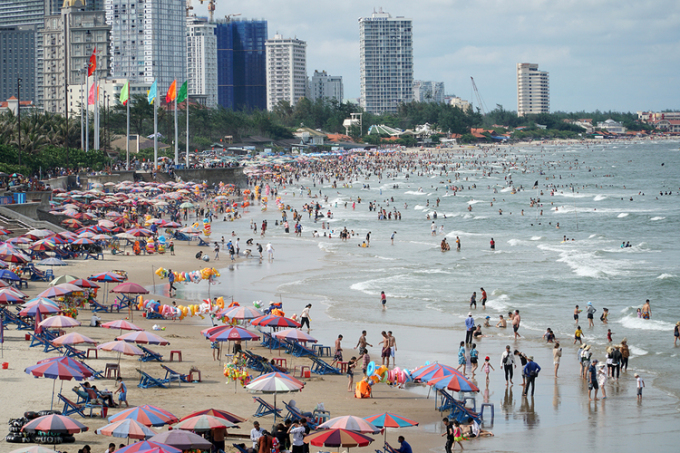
{"type": "Point", "coordinates": [71, 407]}
{"type": "Point", "coordinates": [264, 408]}
{"type": "Point", "coordinates": [96, 306]}
{"type": "Point", "coordinates": [323, 368]}
{"type": "Point", "coordinates": [146, 381]}
{"type": "Point", "coordinates": [295, 414]}
{"type": "Point", "coordinates": [202, 243]}
{"type": "Point", "coordinates": [458, 410]}
{"type": "Point", "coordinates": [43, 341]}
{"type": "Point", "coordinates": [96, 374]}
{"type": "Point", "coordinates": [149, 355]}
{"type": "Point", "coordinates": [171, 374]}
{"type": "Point", "coordinates": [70, 351]}
{"type": "Point", "coordinates": [239, 448]}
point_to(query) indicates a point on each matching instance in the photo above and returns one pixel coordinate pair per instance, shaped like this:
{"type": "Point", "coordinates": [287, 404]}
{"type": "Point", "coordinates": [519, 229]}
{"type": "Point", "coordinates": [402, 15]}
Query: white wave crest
{"type": "Point", "coordinates": [665, 276]}
{"type": "Point", "coordinates": [622, 215]}
{"type": "Point", "coordinates": [599, 198]}
{"type": "Point", "coordinates": [657, 218]}
{"type": "Point", "coordinates": [633, 322]}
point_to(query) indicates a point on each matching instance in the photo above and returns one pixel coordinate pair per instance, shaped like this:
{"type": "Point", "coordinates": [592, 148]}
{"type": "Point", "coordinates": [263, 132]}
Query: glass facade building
{"type": "Point", "coordinates": [17, 60]}
{"type": "Point", "coordinates": [241, 64]}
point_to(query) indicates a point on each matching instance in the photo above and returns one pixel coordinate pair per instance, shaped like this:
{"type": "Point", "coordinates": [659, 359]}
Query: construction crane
{"type": "Point", "coordinates": [480, 103]}
{"type": "Point", "coordinates": [229, 16]}
{"type": "Point", "coordinates": [211, 9]}
{"type": "Point", "coordinates": [189, 7]}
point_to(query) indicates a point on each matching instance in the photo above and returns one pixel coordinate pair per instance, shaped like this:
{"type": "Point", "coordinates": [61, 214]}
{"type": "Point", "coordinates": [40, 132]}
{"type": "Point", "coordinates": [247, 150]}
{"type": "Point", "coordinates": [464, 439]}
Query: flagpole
{"type": "Point", "coordinates": [187, 156]}
{"type": "Point", "coordinates": [96, 104]}
{"type": "Point", "coordinates": [155, 130]}
{"type": "Point", "coordinates": [127, 142]}
{"type": "Point", "coordinates": [87, 116]}
{"type": "Point", "coordinates": [176, 130]}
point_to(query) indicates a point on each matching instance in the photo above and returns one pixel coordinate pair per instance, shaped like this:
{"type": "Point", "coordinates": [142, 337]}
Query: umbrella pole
{"type": "Point", "coordinates": [52, 402]}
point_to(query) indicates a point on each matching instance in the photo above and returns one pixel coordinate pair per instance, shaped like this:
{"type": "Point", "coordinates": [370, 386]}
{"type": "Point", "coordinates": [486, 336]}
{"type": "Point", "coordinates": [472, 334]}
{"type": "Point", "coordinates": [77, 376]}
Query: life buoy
{"type": "Point", "coordinates": [370, 369]}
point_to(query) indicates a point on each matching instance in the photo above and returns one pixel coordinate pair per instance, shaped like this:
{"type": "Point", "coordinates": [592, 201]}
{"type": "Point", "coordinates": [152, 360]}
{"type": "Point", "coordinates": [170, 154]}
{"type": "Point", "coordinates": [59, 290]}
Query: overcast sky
{"type": "Point", "coordinates": [601, 54]}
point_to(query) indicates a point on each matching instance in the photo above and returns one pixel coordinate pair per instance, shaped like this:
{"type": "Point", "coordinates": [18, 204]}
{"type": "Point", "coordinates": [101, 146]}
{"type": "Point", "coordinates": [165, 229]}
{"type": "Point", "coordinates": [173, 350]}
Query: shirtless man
{"type": "Point", "coordinates": [393, 346]}
{"type": "Point", "coordinates": [646, 310]}
{"type": "Point", "coordinates": [385, 352]}
{"type": "Point", "coordinates": [502, 323]}
{"type": "Point", "coordinates": [338, 349]}
{"type": "Point", "coordinates": [515, 323]}
{"type": "Point", "coordinates": [362, 343]}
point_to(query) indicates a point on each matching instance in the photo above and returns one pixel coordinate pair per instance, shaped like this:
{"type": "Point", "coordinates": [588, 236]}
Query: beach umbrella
{"type": "Point", "coordinates": [39, 233]}
{"type": "Point", "coordinates": [52, 262]}
{"type": "Point", "coordinates": [61, 290]}
{"type": "Point", "coordinates": [275, 383]}
{"type": "Point", "coordinates": [15, 257]}
{"type": "Point", "coordinates": [186, 205]}
{"type": "Point", "coordinates": [3, 284]}
{"type": "Point", "coordinates": [234, 333]}
{"type": "Point", "coordinates": [59, 321]}
{"type": "Point", "coordinates": [83, 283]}
{"type": "Point", "coordinates": [82, 241]}
{"type": "Point", "coordinates": [107, 277]}
{"type": "Point", "coordinates": [143, 337]}
{"type": "Point", "coordinates": [43, 245]}
{"type": "Point", "coordinates": [338, 438]}
{"type": "Point", "coordinates": [9, 276]}
{"type": "Point", "coordinates": [73, 338]}
{"type": "Point", "coordinates": [70, 362]}
{"type": "Point", "coordinates": [217, 413]}
{"type": "Point", "coordinates": [127, 428]}
{"type": "Point", "coordinates": [184, 440]}
{"type": "Point", "coordinates": [42, 308]}
{"type": "Point", "coordinates": [202, 423]}
{"type": "Point", "coordinates": [140, 232]}
{"type": "Point", "coordinates": [433, 371]}
{"type": "Point", "coordinates": [87, 234]}
{"type": "Point", "coordinates": [148, 446]}
{"type": "Point", "coordinates": [351, 423]}
{"type": "Point", "coordinates": [240, 313]}
{"type": "Point", "coordinates": [387, 420]}
{"type": "Point", "coordinates": [274, 321]}
{"type": "Point", "coordinates": [121, 347]}
{"type": "Point", "coordinates": [54, 369]}
{"type": "Point", "coordinates": [130, 288]}
{"type": "Point", "coordinates": [9, 298]}
{"type": "Point", "coordinates": [62, 279]}
{"type": "Point", "coordinates": [146, 415]}
{"type": "Point", "coordinates": [3, 265]}
{"type": "Point", "coordinates": [295, 335]}
{"type": "Point", "coordinates": [456, 382]}
{"type": "Point", "coordinates": [56, 424]}
{"type": "Point", "coordinates": [120, 324]}
{"type": "Point", "coordinates": [42, 300]}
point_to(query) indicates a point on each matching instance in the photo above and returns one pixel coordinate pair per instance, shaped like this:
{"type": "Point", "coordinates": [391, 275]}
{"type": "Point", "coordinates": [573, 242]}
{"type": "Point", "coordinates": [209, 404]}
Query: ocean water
{"type": "Point", "coordinates": [532, 269]}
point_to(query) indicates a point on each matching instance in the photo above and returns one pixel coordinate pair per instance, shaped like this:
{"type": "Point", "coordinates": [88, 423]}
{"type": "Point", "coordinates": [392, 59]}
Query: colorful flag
{"type": "Point", "coordinates": [90, 96]}
{"type": "Point", "coordinates": [152, 93]}
{"type": "Point", "coordinates": [182, 95]}
{"type": "Point", "coordinates": [125, 93]}
{"type": "Point", "coordinates": [172, 92]}
{"type": "Point", "coordinates": [92, 66]}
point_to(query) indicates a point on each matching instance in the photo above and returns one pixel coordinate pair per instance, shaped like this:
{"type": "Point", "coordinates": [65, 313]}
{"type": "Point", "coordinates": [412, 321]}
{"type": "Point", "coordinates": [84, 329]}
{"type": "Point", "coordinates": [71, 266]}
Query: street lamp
{"type": "Point", "coordinates": [19, 114]}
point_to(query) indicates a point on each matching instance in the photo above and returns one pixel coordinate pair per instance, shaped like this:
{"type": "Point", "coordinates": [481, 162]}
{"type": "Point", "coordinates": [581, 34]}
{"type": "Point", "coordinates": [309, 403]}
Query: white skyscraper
{"type": "Point", "coordinates": [286, 70]}
{"type": "Point", "coordinates": [324, 86]}
{"type": "Point", "coordinates": [202, 60]}
{"type": "Point", "coordinates": [148, 40]}
{"type": "Point", "coordinates": [386, 62]}
{"type": "Point", "coordinates": [533, 90]}
{"type": "Point", "coordinates": [428, 91]}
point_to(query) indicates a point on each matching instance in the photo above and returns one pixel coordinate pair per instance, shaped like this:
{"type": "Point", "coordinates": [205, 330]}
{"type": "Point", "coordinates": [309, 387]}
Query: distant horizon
{"type": "Point", "coordinates": [628, 63]}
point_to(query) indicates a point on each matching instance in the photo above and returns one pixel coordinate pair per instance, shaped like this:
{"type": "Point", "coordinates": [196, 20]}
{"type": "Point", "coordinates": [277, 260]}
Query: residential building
{"type": "Point", "coordinates": [611, 126]}
{"type": "Point", "coordinates": [82, 31]}
{"type": "Point", "coordinates": [324, 86]}
{"type": "Point", "coordinates": [385, 61]}
{"type": "Point", "coordinates": [17, 61]}
{"type": "Point", "coordinates": [12, 105]}
{"type": "Point", "coordinates": [202, 60]}
{"type": "Point", "coordinates": [53, 7]}
{"type": "Point", "coordinates": [462, 104]}
{"type": "Point", "coordinates": [533, 90]}
{"type": "Point", "coordinates": [428, 91]}
{"type": "Point", "coordinates": [241, 64]}
{"type": "Point", "coordinates": [653, 117]}
{"type": "Point", "coordinates": [286, 70]}
{"type": "Point", "coordinates": [148, 40]}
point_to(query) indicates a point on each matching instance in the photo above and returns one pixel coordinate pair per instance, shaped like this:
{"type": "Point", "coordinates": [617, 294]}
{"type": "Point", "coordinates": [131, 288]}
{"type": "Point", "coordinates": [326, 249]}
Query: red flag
{"type": "Point", "coordinates": [38, 318]}
{"type": "Point", "coordinates": [90, 96]}
{"type": "Point", "coordinates": [92, 66]}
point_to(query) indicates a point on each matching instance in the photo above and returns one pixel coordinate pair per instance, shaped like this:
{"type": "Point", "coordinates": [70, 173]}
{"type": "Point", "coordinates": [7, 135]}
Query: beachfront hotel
{"type": "Point", "coordinates": [202, 61]}
{"type": "Point", "coordinates": [533, 90]}
{"type": "Point", "coordinates": [286, 70]}
{"type": "Point", "coordinates": [386, 62]}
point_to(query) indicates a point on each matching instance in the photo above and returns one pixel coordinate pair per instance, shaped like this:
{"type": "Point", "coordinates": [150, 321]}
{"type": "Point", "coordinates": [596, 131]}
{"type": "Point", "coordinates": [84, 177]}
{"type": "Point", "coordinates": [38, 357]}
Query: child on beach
{"type": "Point", "coordinates": [640, 386]}
{"type": "Point", "coordinates": [576, 312]}
{"type": "Point", "coordinates": [486, 366]}
{"type": "Point", "coordinates": [457, 435]}
{"type": "Point", "coordinates": [609, 335]}
{"type": "Point", "coordinates": [122, 388]}
{"type": "Point", "coordinates": [639, 313]}
{"type": "Point", "coordinates": [604, 316]}
{"type": "Point", "coordinates": [350, 373]}
{"type": "Point", "coordinates": [577, 335]}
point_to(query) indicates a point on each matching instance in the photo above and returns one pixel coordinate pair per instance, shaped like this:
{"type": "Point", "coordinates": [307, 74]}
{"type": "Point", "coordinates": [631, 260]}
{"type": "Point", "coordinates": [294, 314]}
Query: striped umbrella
{"type": "Point", "coordinates": [68, 361]}
{"type": "Point", "coordinates": [217, 413]}
{"type": "Point", "coordinates": [149, 446]}
{"type": "Point", "coordinates": [59, 321]}
{"type": "Point", "coordinates": [295, 335]}
{"type": "Point", "coordinates": [387, 420]}
{"type": "Point", "coordinates": [9, 298]}
{"type": "Point", "coordinates": [456, 382]}
{"type": "Point", "coordinates": [66, 278]}
{"type": "Point", "coordinates": [52, 262]}
{"type": "Point", "coordinates": [15, 292]}
{"type": "Point", "coordinates": [239, 313]}
{"type": "Point", "coordinates": [127, 428]}
{"type": "Point", "coordinates": [202, 423]}
{"type": "Point", "coordinates": [120, 324]}
{"type": "Point", "coordinates": [73, 338]}
{"type": "Point", "coordinates": [274, 321]}
{"type": "Point", "coordinates": [83, 283]}
{"type": "Point", "coordinates": [432, 371]}
{"type": "Point", "coordinates": [184, 440]}
{"type": "Point", "coordinates": [130, 288]}
{"type": "Point", "coordinates": [275, 383]}
{"type": "Point", "coordinates": [121, 347]}
{"type": "Point", "coordinates": [107, 277]}
{"type": "Point", "coordinates": [56, 424]}
{"type": "Point", "coordinates": [350, 422]}
{"type": "Point", "coordinates": [234, 333]}
{"type": "Point", "coordinates": [41, 307]}
{"type": "Point", "coordinates": [338, 438]}
{"type": "Point", "coordinates": [38, 300]}
{"type": "Point", "coordinates": [55, 369]}
{"type": "Point", "coordinates": [146, 415]}
{"type": "Point", "coordinates": [58, 291]}
{"type": "Point", "coordinates": [144, 338]}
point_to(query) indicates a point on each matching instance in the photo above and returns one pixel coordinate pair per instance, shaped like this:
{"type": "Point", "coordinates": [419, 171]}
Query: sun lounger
{"type": "Point", "coordinates": [170, 373]}
{"type": "Point", "coordinates": [295, 414]}
{"type": "Point", "coordinates": [299, 350]}
{"type": "Point", "coordinates": [146, 381]}
{"type": "Point", "coordinates": [254, 361]}
{"type": "Point", "coordinates": [16, 319]}
{"type": "Point", "coordinates": [96, 374]}
{"type": "Point", "coordinates": [264, 408]}
{"type": "Point", "coordinates": [202, 243]}
{"type": "Point", "coordinates": [153, 315]}
{"type": "Point", "coordinates": [43, 341]}
{"type": "Point", "coordinates": [149, 355]}
{"type": "Point", "coordinates": [96, 306]}
{"type": "Point", "coordinates": [240, 448]}
{"type": "Point", "coordinates": [323, 368]}
{"type": "Point", "coordinates": [458, 410]}
{"type": "Point", "coordinates": [70, 351]}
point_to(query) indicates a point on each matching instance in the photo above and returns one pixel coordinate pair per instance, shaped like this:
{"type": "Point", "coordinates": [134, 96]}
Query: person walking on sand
{"type": "Point", "coordinates": [640, 385]}
{"type": "Point", "coordinates": [350, 372]}
{"type": "Point", "coordinates": [462, 359]}
{"type": "Point", "coordinates": [602, 379]}
{"type": "Point", "coordinates": [448, 432]}
{"type": "Point", "coordinates": [385, 352]}
{"type": "Point", "coordinates": [217, 251]}
{"type": "Point", "coordinates": [474, 356]}
{"type": "Point", "coordinates": [270, 251]}
{"type": "Point", "coordinates": [515, 324]}
{"type": "Point", "coordinates": [508, 364]}
{"type": "Point", "coordinates": [470, 326]}
{"type": "Point", "coordinates": [393, 346]}
{"type": "Point", "coordinates": [383, 299]}
{"type": "Point", "coordinates": [338, 349]}
{"type": "Point", "coordinates": [531, 371]}
{"type": "Point", "coordinates": [304, 318]}
{"type": "Point", "coordinates": [557, 354]}
{"type": "Point", "coordinates": [592, 380]}
{"type": "Point", "coordinates": [122, 389]}
{"type": "Point", "coordinates": [362, 343]}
